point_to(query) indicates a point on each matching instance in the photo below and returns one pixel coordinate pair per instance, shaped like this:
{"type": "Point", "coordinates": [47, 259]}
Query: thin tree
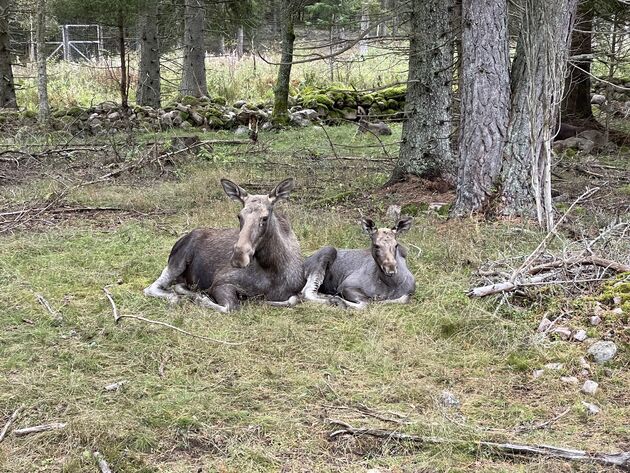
{"type": "Point", "coordinates": [194, 70]}
{"type": "Point", "coordinates": [576, 103]}
{"type": "Point", "coordinates": [485, 102]}
{"type": "Point", "coordinates": [7, 85]}
{"type": "Point", "coordinates": [280, 115]}
{"type": "Point", "coordinates": [425, 150]}
{"type": "Point", "coordinates": [148, 92]}
{"type": "Point", "coordinates": [43, 115]}
{"type": "Point", "coordinates": [538, 75]}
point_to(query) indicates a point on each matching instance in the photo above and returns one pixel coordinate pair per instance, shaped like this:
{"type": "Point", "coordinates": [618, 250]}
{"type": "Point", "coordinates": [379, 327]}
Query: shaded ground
{"type": "Point", "coordinates": [266, 405]}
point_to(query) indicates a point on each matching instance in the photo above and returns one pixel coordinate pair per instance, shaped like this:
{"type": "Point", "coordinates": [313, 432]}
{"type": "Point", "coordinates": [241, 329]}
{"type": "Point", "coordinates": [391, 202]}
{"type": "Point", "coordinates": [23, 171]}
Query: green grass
{"type": "Point", "coordinates": [262, 406]}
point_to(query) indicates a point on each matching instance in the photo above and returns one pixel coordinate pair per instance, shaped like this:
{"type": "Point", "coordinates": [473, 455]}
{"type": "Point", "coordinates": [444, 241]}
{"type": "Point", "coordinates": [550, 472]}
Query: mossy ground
{"type": "Point", "coordinates": [263, 405]}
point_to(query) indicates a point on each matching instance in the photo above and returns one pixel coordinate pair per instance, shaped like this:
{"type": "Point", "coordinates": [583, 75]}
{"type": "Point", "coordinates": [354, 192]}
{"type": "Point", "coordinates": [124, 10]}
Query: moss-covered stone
{"type": "Point", "coordinates": [189, 100]}
{"type": "Point", "coordinates": [28, 114]}
{"type": "Point", "coordinates": [220, 100]}
{"type": "Point", "coordinates": [215, 123]}
{"type": "Point", "coordinates": [59, 113]}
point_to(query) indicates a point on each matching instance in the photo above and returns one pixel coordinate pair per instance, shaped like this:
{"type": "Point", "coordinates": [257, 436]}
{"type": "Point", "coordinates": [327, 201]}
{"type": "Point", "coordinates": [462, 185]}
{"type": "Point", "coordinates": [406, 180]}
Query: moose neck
{"type": "Point", "coordinates": [274, 250]}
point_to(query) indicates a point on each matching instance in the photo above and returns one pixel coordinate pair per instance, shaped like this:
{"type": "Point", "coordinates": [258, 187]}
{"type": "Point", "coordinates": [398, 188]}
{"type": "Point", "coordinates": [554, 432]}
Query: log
{"type": "Point", "coordinates": [39, 428]}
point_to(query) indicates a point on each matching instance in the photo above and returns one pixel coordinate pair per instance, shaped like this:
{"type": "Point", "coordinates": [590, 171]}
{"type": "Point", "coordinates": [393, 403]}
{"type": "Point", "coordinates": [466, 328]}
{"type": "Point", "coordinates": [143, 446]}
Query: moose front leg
{"type": "Point", "coordinates": [315, 269]}
{"type": "Point", "coordinates": [290, 302]}
{"type": "Point", "coordinates": [351, 297]}
{"type": "Point", "coordinates": [226, 297]}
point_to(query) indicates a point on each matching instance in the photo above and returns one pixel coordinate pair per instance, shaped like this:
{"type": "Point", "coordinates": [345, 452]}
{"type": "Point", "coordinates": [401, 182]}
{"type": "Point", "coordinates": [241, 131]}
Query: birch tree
{"type": "Point", "coordinates": [43, 115]}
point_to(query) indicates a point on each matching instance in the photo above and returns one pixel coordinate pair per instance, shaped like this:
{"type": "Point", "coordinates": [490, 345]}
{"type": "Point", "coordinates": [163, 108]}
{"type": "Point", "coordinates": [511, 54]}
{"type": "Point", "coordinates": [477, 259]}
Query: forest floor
{"type": "Point", "coordinates": [94, 214]}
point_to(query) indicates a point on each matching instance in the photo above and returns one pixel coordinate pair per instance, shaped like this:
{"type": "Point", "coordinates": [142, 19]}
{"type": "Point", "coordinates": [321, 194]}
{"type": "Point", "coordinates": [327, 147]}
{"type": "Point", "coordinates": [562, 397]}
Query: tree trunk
{"type": "Point", "coordinates": [425, 150]}
{"type": "Point", "coordinates": [365, 24]}
{"type": "Point", "coordinates": [194, 72]}
{"type": "Point", "coordinates": [240, 38]}
{"type": "Point", "coordinates": [7, 86]}
{"type": "Point", "coordinates": [124, 89]}
{"type": "Point", "coordinates": [538, 75]}
{"type": "Point", "coordinates": [576, 104]}
{"type": "Point", "coordinates": [280, 115]}
{"type": "Point", "coordinates": [43, 115]}
{"type": "Point", "coordinates": [149, 86]}
{"type": "Point", "coordinates": [485, 102]}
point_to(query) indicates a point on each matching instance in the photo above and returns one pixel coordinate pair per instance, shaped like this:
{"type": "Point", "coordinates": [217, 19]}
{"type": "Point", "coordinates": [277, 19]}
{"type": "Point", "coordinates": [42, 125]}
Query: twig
{"type": "Point", "coordinates": [620, 459]}
{"type": "Point", "coordinates": [102, 464]}
{"type": "Point", "coordinates": [118, 316]}
{"type": "Point", "coordinates": [39, 428]}
{"type": "Point", "coordinates": [11, 420]}
{"type": "Point", "coordinates": [545, 424]}
{"type": "Point", "coordinates": [165, 359]}
{"type": "Point", "coordinates": [42, 300]}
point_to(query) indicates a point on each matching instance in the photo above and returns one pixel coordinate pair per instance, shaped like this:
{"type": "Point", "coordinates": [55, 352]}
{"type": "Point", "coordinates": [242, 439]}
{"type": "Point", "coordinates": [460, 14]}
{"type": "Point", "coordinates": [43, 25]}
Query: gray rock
{"type": "Point", "coordinates": [597, 137]}
{"type": "Point", "coordinates": [310, 114]}
{"type": "Point", "coordinates": [298, 120]}
{"type": "Point", "coordinates": [448, 399]}
{"type": "Point", "coordinates": [538, 373]}
{"type": "Point", "coordinates": [242, 130]}
{"type": "Point", "coordinates": [267, 126]}
{"type": "Point", "coordinates": [393, 212]}
{"type": "Point", "coordinates": [563, 332]}
{"type": "Point", "coordinates": [113, 116]}
{"type": "Point", "coordinates": [591, 408]}
{"type": "Point", "coordinates": [595, 320]}
{"type": "Point", "coordinates": [554, 366]}
{"type": "Point", "coordinates": [569, 380]}
{"type": "Point", "coordinates": [579, 335]}
{"type": "Point", "coordinates": [598, 99]}
{"type": "Point", "coordinates": [544, 324]}
{"type": "Point", "coordinates": [584, 364]}
{"type": "Point", "coordinates": [617, 311]}
{"type": "Point", "coordinates": [239, 103]}
{"type": "Point", "coordinates": [185, 125]}
{"type": "Point", "coordinates": [589, 387]}
{"type": "Point", "coordinates": [603, 351]}
{"type": "Point", "coordinates": [617, 300]}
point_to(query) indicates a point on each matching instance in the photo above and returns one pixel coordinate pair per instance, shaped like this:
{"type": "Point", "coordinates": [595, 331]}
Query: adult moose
{"type": "Point", "coordinates": [218, 268]}
{"type": "Point", "coordinates": [351, 278]}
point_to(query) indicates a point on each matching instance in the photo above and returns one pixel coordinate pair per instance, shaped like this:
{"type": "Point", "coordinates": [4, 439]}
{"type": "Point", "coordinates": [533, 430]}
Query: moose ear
{"type": "Point", "coordinates": [402, 225]}
{"type": "Point", "coordinates": [282, 191]}
{"type": "Point", "coordinates": [234, 191]}
{"type": "Point", "coordinates": [368, 225]}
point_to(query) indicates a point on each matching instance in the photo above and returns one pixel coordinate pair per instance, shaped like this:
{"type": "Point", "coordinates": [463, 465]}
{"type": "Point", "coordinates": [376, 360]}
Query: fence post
{"type": "Point", "coordinates": [67, 54]}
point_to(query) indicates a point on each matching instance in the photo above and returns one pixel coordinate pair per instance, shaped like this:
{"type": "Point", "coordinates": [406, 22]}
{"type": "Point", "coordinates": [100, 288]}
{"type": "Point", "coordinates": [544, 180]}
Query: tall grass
{"type": "Point", "coordinates": [250, 78]}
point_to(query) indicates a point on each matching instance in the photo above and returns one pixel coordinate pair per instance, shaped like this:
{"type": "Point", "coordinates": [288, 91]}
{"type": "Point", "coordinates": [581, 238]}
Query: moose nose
{"type": "Point", "coordinates": [241, 257]}
{"type": "Point", "coordinates": [390, 270]}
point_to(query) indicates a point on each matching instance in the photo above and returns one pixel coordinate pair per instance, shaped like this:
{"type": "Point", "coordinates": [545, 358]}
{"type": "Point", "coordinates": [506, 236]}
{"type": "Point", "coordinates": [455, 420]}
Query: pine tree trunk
{"type": "Point", "coordinates": [194, 71]}
{"type": "Point", "coordinates": [149, 87]}
{"type": "Point", "coordinates": [280, 115]}
{"type": "Point", "coordinates": [485, 102]}
{"type": "Point", "coordinates": [425, 150]}
{"type": "Point", "coordinates": [43, 115]}
{"type": "Point", "coordinates": [576, 104]}
{"type": "Point", "coordinates": [365, 24]}
{"type": "Point", "coordinates": [240, 38]}
{"type": "Point", "coordinates": [538, 74]}
{"type": "Point", "coordinates": [7, 85]}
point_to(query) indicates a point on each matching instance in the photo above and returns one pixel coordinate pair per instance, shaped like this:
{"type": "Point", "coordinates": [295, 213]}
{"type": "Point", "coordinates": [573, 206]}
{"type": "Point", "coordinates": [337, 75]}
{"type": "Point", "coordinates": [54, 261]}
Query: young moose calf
{"type": "Point", "coordinates": [261, 260]}
{"type": "Point", "coordinates": [351, 278]}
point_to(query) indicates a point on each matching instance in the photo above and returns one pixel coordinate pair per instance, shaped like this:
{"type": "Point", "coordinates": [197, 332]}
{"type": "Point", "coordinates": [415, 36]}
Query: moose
{"type": "Point", "coordinates": [219, 267]}
{"type": "Point", "coordinates": [350, 278]}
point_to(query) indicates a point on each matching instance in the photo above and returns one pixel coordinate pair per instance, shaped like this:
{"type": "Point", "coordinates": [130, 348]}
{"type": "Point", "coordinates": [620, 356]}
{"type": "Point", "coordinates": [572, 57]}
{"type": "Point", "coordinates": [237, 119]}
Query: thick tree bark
{"type": "Point", "coordinates": [43, 115]}
{"type": "Point", "coordinates": [280, 115]}
{"type": "Point", "coordinates": [425, 150]}
{"type": "Point", "coordinates": [538, 74]}
{"type": "Point", "coordinates": [124, 76]}
{"type": "Point", "coordinates": [194, 71]}
{"type": "Point", "coordinates": [149, 86]}
{"type": "Point", "coordinates": [485, 102]}
{"type": "Point", "coordinates": [365, 24]}
{"type": "Point", "coordinates": [7, 85]}
{"type": "Point", "coordinates": [576, 104]}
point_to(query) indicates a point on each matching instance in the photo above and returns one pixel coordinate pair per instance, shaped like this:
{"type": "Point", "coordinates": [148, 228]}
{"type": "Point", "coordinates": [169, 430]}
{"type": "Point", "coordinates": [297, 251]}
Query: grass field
{"type": "Point", "coordinates": [191, 405]}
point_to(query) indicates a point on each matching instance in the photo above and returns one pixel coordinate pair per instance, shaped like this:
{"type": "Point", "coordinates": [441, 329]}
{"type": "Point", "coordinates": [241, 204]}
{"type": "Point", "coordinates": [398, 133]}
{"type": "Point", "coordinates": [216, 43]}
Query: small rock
{"type": "Point", "coordinates": [617, 300]}
{"type": "Point", "coordinates": [448, 399]}
{"type": "Point", "coordinates": [563, 332]}
{"type": "Point", "coordinates": [579, 335]}
{"type": "Point", "coordinates": [584, 364]}
{"type": "Point", "coordinates": [393, 212]}
{"type": "Point", "coordinates": [239, 103]}
{"type": "Point", "coordinates": [569, 379]}
{"type": "Point", "coordinates": [617, 311]}
{"type": "Point", "coordinates": [538, 373]}
{"type": "Point", "coordinates": [113, 116]}
{"type": "Point", "coordinates": [589, 387]}
{"type": "Point", "coordinates": [544, 324]}
{"type": "Point", "coordinates": [595, 320]}
{"type": "Point", "coordinates": [598, 99]}
{"type": "Point", "coordinates": [585, 373]}
{"type": "Point", "coordinates": [554, 366]}
{"type": "Point", "coordinates": [115, 386]}
{"type": "Point", "coordinates": [185, 125]}
{"type": "Point", "coordinates": [242, 130]}
{"type": "Point", "coordinates": [603, 351]}
{"type": "Point", "coordinates": [598, 309]}
{"type": "Point", "coordinates": [310, 114]}
{"type": "Point", "coordinates": [591, 408]}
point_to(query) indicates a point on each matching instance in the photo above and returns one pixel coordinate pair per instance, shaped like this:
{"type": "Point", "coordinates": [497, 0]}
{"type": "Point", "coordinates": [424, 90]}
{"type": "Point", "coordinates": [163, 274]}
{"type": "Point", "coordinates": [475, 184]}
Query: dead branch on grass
{"type": "Point", "coordinates": [619, 459]}
{"type": "Point", "coordinates": [39, 428]}
{"type": "Point", "coordinates": [102, 464]}
{"type": "Point", "coordinates": [12, 419]}
{"type": "Point", "coordinates": [118, 316]}
{"type": "Point", "coordinates": [42, 300]}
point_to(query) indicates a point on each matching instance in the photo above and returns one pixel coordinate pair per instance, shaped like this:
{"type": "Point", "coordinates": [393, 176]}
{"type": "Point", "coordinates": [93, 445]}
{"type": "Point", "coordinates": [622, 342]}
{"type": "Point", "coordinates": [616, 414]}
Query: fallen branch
{"type": "Point", "coordinates": [102, 464]}
{"type": "Point", "coordinates": [118, 316]}
{"type": "Point", "coordinates": [543, 425]}
{"type": "Point", "coordinates": [39, 428]}
{"type": "Point", "coordinates": [11, 420]}
{"type": "Point", "coordinates": [620, 459]}
{"type": "Point", "coordinates": [56, 315]}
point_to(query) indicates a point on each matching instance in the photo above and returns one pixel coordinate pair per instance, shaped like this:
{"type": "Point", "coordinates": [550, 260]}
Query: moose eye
{"type": "Point", "coordinates": [263, 220]}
